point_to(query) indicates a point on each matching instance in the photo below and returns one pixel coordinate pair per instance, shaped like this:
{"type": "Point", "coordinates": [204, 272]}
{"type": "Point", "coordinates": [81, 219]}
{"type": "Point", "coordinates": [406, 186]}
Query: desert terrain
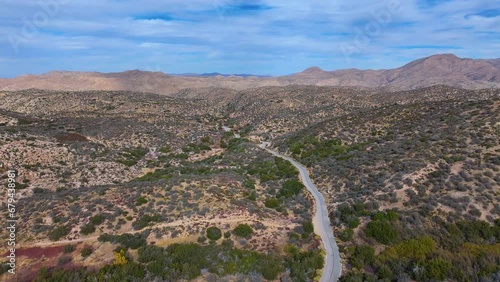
{"type": "Point", "coordinates": [126, 181]}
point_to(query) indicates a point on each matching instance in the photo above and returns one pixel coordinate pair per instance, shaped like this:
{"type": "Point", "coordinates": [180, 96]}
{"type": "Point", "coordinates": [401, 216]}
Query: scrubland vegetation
{"type": "Point", "coordinates": [139, 187]}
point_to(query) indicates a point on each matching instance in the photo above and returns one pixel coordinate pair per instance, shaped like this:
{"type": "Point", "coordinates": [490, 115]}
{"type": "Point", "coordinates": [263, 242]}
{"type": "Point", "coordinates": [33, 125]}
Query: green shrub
{"type": "Point", "coordinates": [64, 260]}
{"type": "Point", "coordinates": [353, 222]}
{"type": "Point", "coordinates": [272, 203]}
{"type": "Point", "coordinates": [389, 215]}
{"type": "Point", "coordinates": [144, 221]}
{"type": "Point", "coordinates": [346, 234]}
{"type": "Point", "coordinates": [223, 144]}
{"type": "Point", "coordinates": [158, 174]}
{"type": "Point", "coordinates": [69, 249]}
{"type": "Point", "coordinates": [436, 174]}
{"type": "Point", "coordinates": [140, 201]}
{"type": "Point", "coordinates": [290, 188]}
{"type": "Point", "coordinates": [385, 273]}
{"type": "Point", "coordinates": [303, 265]}
{"type": "Point", "coordinates": [88, 228]}
{"type": "Point", "coordinates": [182, 156]}
{"type": "Point", "coordinates": [97, 219]}
{"type": "Point", "coordinates": [293, 237]}
{"type": "Point", "coordinates": [252, 196]}
{"type": "Point", "coordinates": [475, 231]}
{"type": "Point", "coordinates": [151, 253]}
{"type": "Point", "coordinates": [243, 230]}
{"type": "Point", "coordinates": [38, 190]}
{"type": "Point", "coordinates": [437, 269]}
{"type": "Point", "coordinates": [132, 241]}
{"type": "Point", "coordinates": [19, 186]}
{"type": "Point", "coordinates": [86, 251]}
{"type": "Point", "coordinates": [166, 149]}
{"type": "Point", "coordinates": [214, 233]}
{"type": "Point", "coordinates": [272, 170]}
{"type": "Point", "coordinates": [4, 268]}
{"type": "Point", "coordinates": [308, 226]}
{"type": "Point", "coordinates": [204, 147]}
{"type": "Point", "coordinates": [132, 156]}
{"type": "Point", "coordinates": [349, 214]}
{"type": "Point", "coordinates": [310, 149]}
{"type": "Point", "coordinates": [415, 248]}
{"type": "Point", "coordinates": [363, 255]}
{"type": "Point", "coordinates": [248, 183]}
{"type": "Point", "coordinates": [382, 231]}
{"type": "Point", "coordinates": [156, 267]}
{"type": "Point", "coordinates": [58, 232]}
{"type": "Point", "coordinates": [195, 148]}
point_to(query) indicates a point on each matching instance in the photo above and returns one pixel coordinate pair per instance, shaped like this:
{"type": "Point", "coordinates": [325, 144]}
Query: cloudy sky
{"type": "Point", "coordinates": [268, 37]}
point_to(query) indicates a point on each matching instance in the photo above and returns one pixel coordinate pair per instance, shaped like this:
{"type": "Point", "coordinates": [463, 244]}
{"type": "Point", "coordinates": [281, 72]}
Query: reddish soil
{"type": "Point", "coordinates": [38, 252]}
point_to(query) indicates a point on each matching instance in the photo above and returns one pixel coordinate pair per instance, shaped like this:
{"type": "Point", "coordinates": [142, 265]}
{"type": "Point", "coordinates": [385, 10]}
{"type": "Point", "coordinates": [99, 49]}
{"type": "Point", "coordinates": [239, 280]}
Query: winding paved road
{"type": "Point", "coordinates": [333, 268]}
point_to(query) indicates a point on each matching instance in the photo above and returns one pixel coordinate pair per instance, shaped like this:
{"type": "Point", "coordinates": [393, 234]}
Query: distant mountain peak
{"type": "Point", "coordinates": [313, 70]}
{"type": "Point", "coordinates": [134, 71]}
{"type": "Point", "coordinates": [137, 71]}
{"type": "Point", "coordinates": [56, 72]}
{"type": "Point", "coordinates": [444, 56]}
{"type": "Point", "coordinates": [434, 61]}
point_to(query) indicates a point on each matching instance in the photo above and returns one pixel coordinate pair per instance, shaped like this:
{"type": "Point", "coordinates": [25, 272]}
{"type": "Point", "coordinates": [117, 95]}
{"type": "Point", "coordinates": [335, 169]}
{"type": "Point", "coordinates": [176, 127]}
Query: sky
{"type": "Point", "coordinates": [263, 37]}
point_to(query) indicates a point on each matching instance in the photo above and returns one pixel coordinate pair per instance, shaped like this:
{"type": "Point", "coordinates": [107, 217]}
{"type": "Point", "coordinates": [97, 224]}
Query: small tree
{"type": "Point", "coordinates": [214, 233]}
{"type": "Point", "coordinates": [120, 258]}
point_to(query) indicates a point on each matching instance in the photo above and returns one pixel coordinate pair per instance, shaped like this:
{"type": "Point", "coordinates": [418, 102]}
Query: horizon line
{"type": "Point", "coordinates": [242, 74]}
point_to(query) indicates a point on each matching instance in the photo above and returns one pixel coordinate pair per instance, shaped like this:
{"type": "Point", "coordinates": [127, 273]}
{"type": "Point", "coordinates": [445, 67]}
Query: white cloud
{"type": "Point", "coordinates": [305, 32]}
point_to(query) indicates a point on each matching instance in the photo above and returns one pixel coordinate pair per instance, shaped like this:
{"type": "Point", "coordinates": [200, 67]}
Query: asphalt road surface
{"type": "Point", "coordinates": [332, 269]}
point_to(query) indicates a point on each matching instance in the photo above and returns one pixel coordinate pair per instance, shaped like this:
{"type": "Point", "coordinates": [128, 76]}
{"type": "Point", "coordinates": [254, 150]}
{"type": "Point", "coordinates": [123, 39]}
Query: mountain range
{"type": "Point", "coordinates": [445, 69]}
{"type": "Point", "coordinates": [214, 74]}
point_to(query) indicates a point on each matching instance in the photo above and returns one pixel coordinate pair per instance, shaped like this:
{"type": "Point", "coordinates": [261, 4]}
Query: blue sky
{"type": "Point", "coordinates": [268, 37]}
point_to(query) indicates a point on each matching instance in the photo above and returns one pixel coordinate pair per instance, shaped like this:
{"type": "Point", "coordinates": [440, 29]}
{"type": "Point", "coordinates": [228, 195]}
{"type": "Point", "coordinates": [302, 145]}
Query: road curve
{"type": "Point", "coordinates": [332, 269]}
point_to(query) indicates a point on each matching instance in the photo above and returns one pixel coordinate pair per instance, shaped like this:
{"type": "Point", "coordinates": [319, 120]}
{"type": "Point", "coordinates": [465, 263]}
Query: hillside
{"type": "Point", "coordinates": [411, 184]}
